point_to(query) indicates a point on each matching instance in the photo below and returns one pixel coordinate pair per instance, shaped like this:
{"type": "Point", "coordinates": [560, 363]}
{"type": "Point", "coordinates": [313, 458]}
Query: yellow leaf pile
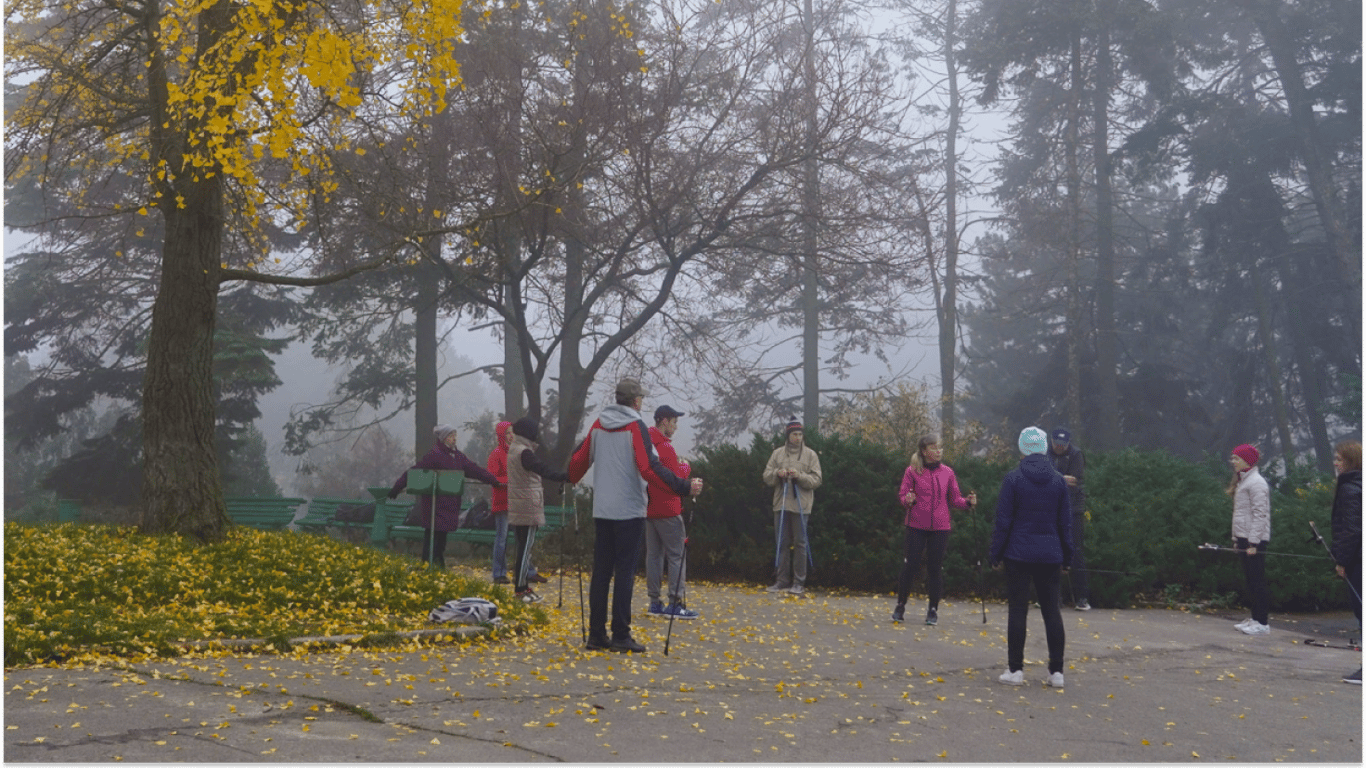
{"type": "Point", "coordinates": [82, 590]}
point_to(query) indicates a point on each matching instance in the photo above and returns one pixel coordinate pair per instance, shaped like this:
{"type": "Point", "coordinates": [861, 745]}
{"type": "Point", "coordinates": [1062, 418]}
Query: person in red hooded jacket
{"type": "Point", "coordinates": [665, 534]}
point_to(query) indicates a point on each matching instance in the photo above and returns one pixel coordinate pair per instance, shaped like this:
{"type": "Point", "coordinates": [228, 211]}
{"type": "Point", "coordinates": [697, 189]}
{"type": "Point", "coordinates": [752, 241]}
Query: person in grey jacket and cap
{"type": "Point", "coordinates": [619, 449]}
{"type": "Point", "coordinates": [1068, 459]}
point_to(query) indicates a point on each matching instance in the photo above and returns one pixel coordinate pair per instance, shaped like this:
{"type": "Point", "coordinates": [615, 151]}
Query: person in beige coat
{"type": "Point", "coordinates": [794, 471]}
{"type": "Point", "coordinates": [526, 497]}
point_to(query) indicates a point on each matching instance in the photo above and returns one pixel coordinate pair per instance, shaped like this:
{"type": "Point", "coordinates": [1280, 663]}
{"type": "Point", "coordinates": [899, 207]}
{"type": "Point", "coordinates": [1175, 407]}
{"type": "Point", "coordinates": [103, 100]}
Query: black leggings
{"type": "Point", "coordinates": [1254, 571]}
{"type": "Point", "coordinates": [1045, 578]}
{"type": "Point", "coordinates": [935, 543]}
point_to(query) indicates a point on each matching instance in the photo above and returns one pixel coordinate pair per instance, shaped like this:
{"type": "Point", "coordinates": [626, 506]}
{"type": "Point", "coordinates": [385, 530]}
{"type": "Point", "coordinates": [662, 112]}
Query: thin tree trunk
{"type": "Point", "coordinates": [811, 353]}
{"type": "Point", "coordinates": [948, 315]}
{"type": "Point", "coordinates": [1273, 368]}
{"type": "Point", "coordinates": [1073, 330]}
{"type": "Point", "coordinates": [1107, 342]}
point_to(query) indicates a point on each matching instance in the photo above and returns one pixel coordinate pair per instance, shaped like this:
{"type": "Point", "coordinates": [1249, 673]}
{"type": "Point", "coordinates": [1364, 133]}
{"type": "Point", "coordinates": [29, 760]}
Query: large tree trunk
{"type": "Point", "coordinates": [510, 162]}
{"type": "Point", "coordinates": [1107, 341]}
{"type": "Point", "coordinates": [181, 489]}
{"type": "Point", "coordinates": [948, 308]}
{"type": "Point", "coordinates": [425, 416]}
{"type": "Point", "coordinates": [811, 317]}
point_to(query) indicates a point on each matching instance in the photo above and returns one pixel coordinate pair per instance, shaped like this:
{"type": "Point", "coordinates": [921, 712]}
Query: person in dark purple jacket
{"type": "Point", "coordinates": [1033, 539]}
{"type": "Point", "coordinates": [443, 455]}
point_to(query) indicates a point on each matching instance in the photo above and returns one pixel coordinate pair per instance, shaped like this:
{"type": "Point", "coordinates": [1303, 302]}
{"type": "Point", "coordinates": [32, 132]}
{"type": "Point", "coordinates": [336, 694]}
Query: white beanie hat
{"type": "Point", "coordinates": [1033, 440]}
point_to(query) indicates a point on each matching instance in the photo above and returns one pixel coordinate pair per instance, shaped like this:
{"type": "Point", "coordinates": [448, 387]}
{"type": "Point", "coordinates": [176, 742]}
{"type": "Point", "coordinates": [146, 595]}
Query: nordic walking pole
{"type": "Point", "coordinates": [578, 566]}
{"type": "Point", "coordinates": [678, 581]}
{"type": "Point", "coordinates": [981, 584]}
{"type": "Point", "coordinates": [1320, 540]}
{"type": "Point", "coordinates": [797, 493]}
{"type": "Point", "coordinates": [560, 604]}
{"type": "Point", "coordinates": [778, 551]}
{"type": "Point", "coordinates": [1216, 548]}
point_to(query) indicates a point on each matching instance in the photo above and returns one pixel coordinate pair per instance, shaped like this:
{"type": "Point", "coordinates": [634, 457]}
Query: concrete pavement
{"type": "Point", "coordinates": [759, 678]}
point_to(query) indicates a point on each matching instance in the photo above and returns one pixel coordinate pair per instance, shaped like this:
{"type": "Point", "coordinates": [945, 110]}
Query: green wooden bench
{"type": "Point", "coordinates": [268, 513]}
{"type": "Point", "coordinates": [555, 519]}
{"type": "Point", "coordinates": [322, 511]}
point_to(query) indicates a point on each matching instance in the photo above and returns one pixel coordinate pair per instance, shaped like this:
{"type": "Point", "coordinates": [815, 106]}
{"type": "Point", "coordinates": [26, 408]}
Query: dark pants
{"type": "Point", "coordinates": [935, 543]}
{"type": "Point", "coordinates": [437, 553]}
{"type": "Point", "coordinates": [1254, 570]}
{"type": "Point", "coordinates": [526, 537]}
{"type": "Point", "coordinates": [1045, 578]}
{"type": "Point", "coordinates": [616, 553]}
{"type": "Point", "coordinates": [1077, 576]}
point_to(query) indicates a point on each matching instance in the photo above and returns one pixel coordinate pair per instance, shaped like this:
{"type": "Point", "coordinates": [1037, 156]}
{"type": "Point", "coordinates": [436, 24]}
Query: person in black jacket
{"type": "Point", "coordinates": [1071, 464]}
{"type": "Point", "coordinates": [1033, 540]}
{"type": "Point", "coordinates": [1346, 547]}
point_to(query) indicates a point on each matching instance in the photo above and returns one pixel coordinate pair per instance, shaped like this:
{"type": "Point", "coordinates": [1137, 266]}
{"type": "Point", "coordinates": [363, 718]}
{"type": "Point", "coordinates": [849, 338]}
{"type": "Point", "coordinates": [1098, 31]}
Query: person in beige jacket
{"type": "Point", "coordinates": [526, 498]}
{"type": "Point", "coordinates": [794, 471]}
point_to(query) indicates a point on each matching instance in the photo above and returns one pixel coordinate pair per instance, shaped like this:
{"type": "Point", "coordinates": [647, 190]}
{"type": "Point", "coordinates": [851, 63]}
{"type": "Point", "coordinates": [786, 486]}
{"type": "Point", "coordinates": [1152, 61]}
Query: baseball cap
{"type": "Point", "coordinates": [665, 412]}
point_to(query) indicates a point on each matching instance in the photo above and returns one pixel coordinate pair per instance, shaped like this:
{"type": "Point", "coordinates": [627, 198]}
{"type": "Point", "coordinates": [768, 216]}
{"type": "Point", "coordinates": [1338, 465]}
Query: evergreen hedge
{"type": "Point", "coordinates": [1148, 510]}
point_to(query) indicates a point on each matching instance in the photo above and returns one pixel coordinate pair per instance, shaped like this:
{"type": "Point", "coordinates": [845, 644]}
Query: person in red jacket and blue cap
{"type": "Point", "coordinates": [665, 534]}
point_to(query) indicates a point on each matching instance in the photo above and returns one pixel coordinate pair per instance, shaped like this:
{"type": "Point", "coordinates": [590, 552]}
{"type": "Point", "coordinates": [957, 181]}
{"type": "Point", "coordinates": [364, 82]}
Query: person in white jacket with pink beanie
{"type": "Point", "coordinates": [1251, 533]}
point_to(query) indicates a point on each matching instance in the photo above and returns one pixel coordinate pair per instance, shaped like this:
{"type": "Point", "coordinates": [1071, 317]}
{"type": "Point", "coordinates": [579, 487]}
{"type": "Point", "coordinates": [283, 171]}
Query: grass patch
{"type": "Point", "coordinates": [73, 590]}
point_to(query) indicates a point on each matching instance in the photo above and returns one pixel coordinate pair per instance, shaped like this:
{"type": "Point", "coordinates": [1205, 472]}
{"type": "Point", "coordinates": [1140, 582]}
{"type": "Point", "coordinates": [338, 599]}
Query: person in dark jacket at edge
{"type": "Point", "coordinates": [1346, 547]}
{"type": "Point", "coordinates": [443, 455]}
{"type": "Point", "coordinates": [1071, 464]}
{"type": "Point", "coordinates": [619, 449]}
{"type": "Point", "coordinates": [1033, 539]}
{"type": "Point", "coordinates": [526, 498]}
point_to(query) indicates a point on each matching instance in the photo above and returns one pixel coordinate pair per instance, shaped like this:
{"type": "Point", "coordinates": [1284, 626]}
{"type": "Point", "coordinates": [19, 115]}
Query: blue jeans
{"type": "Point", "coordinates": [500, 548]}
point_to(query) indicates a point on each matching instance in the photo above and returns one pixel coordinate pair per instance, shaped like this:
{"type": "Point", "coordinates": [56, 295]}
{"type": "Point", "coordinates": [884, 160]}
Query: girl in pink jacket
{"type": "Point", "coordinates": [928, 488]}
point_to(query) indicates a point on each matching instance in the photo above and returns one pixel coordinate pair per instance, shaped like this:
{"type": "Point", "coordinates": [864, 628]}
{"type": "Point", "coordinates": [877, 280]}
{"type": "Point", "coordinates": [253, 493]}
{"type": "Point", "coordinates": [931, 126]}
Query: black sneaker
{"type": "Point", "coordinates": [1354, 678]}
{"type": "Point", "coordinates": [932, 616]}
{"type": "Point", "coordinates": [598, 643]}
{"type": "Point", "coordinates": [899, 613]}
{"type": "Point", "coordinates": [537, 578]}
{"type": "Point", "coordinates": [627, 644]}
{"type": "Point", "coordinates": [502, 580]}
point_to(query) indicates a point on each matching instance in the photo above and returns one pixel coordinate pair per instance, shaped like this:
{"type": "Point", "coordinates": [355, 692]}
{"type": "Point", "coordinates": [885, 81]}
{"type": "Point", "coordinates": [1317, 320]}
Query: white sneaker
{"type": "Point", "coordinates": [1243, 623]}
{"type": "Point", "coordinates": [1012, 678]}
{"type": "Point", "coordinates": [1054, 680]}
{"type": "Point", "coordinates": [776, 588]}
{"type": "Point", "coordinates": [797, 589]}
{"type": "Point", "coordinates": [1255, 628]}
